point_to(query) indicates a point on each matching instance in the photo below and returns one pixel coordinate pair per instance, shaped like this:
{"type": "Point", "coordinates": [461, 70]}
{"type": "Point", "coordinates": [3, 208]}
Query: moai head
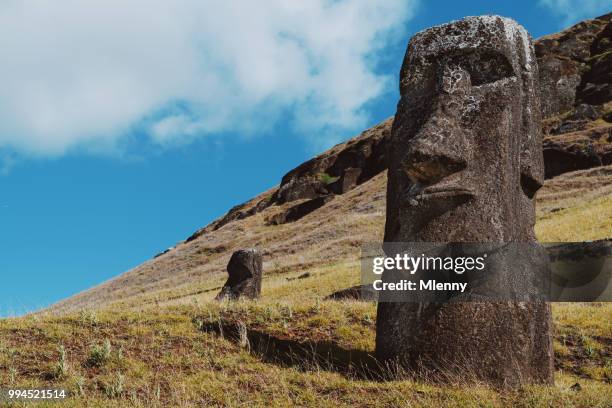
{"type": "Point", "coordinates": [465, 161]}
{"type": "Point", "coordinates": [465, 150]}
{"type": "Point", "coordinates": [245, 275]}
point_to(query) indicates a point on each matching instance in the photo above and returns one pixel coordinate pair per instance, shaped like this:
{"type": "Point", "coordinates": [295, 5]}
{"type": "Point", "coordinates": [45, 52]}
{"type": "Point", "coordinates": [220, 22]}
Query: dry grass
{"type": "Point", "coordinates": [170, 345]}
{"type": "Point", "coordinates": [593, 219]}
{"type": "Point", "coordinates": [572, 207]}
{"type": "Point", "coordinates": [178, 357]}
{"type": "Point", "coordinates": [576, 206]}
{"type": "Point", "coordinates": [333, 234]}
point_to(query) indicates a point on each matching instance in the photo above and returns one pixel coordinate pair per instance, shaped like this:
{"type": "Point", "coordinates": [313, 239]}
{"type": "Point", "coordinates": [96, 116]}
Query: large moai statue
{"type": "Point", "coordinates": [465, 163]}
{"type": "Point", "coordinates": [245, 273]}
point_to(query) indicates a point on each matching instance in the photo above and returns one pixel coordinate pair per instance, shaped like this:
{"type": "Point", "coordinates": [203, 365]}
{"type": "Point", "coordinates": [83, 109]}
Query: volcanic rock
{"type": "Point", "coordinates": [300, 210]}
{"type": "Point", "coordinates": [465, 162]}
{"type": "Point", "coordinates": [360, 292]}
{"type": "Point", "coordinates": [245, 273]}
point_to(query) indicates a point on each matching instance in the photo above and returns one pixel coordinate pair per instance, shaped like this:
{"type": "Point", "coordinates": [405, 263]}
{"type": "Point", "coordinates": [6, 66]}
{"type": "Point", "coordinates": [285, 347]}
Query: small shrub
{"type": "Point", "coordinates": [79, 383]}
{"type": "Point", "coordinates": [286, 312]}
{"type": "Point", "coordinates": [119, 353]}
{"type": "Point", "coordinates": [243, 335]}
{"type": "Point", "coordinates": [61, 367]}
{"type": "Point", "coordinates": [99, 355]}
{"type": "Point", "coordinates": [12, 375]}
{"type": "Point", "coordinates": [115, 388]}
{"type": "Point", "coordinates": [590, 346]}
{"type": "Point", "coordinates": [88, 318]}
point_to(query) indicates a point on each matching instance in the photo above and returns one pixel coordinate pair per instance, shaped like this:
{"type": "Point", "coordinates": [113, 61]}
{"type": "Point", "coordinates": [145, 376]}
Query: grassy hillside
{"type": "Point", "coordinates": [572, 207]}
{"type": "Point", "coordinates": [153, 337]}
{"type": "Point", "coordinates": [181, 357]}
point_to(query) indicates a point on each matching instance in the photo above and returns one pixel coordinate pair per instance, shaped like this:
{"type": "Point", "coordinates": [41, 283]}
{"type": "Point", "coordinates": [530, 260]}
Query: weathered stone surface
{"type": "Point", "coordinates": [300, 210]}
{"type": "Point", "coordinates": [346, 165]}
{"type": "Point", "coordinates": [573, 67]}
{"type": "Point", "coordinates": [578, 150]}
{"type": "Point", "coordinates": [347, 181]}
{"type": "Point", "coordinates": [363, 293]}
{"type": "Point", "coordinates": [245, 273]}
{"type": "Point", "coordinates": [465, 161]}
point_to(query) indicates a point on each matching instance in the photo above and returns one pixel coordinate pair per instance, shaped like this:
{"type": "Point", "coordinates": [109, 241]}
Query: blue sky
{"type": "Point", "coordinates": [126, 126]}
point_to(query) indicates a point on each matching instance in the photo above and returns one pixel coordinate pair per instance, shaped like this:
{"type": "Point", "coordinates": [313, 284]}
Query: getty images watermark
{"type": "Point", "coordinates": [464, 272]}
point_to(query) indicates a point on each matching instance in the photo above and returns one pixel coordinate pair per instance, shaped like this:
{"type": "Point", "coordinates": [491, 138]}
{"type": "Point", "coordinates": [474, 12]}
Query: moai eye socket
{"type": "Point", "coordinates": [489, 68]}
{"type": "Point", "coordinates": [484, 67]}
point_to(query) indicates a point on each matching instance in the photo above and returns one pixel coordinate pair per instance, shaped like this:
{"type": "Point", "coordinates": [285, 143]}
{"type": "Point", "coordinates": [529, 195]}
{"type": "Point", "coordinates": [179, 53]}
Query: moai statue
{"type": "Point", "coordinates": [245, 273]}
{"type": "Point", "coordinates": [465, 163]}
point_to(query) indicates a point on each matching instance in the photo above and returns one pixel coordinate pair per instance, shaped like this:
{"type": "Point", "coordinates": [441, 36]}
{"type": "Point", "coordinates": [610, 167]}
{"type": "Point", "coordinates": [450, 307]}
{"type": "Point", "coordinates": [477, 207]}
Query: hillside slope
{"type": "Point", "coordinates": [337, 200]}
{"type": "Point", "coordinates": [153, 337]}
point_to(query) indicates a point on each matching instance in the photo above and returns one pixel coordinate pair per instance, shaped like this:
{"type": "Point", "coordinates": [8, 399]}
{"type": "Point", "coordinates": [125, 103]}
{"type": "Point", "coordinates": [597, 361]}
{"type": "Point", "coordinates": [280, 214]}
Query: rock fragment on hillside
{"type": "Point", "coordinates": [577, 150]}
{"type": "Point", "coordinates": [363, 293]}
{"type": "Point", "coordinates": [298, 211]}
{"type": "Point", "coordinates": [245, 274]}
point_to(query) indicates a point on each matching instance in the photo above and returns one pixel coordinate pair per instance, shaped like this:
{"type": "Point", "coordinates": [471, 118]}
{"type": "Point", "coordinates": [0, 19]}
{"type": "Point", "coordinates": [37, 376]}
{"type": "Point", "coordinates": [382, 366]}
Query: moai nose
{"type": "Point", "coordinates": [426, 167]}
{"type": "Point", "coordinates": [439, 149]}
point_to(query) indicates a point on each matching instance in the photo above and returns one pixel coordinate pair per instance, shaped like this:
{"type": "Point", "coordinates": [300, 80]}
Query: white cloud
{"type": "Point", "coordinates": [573, 11]}
{"type": "Point", "coordinates": [87, 73]}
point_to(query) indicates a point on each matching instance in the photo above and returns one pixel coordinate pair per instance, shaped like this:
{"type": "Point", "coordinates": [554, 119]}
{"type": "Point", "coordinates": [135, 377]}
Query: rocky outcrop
{"type": "Point", "coordinates": [581, 272]}
{"type": "Point", "coordinates": [576, 88]}
{"type": "Point", "coordinates": [245, 273]}
{"type": "Point", "coordinates": [575, 66]}
{"type": "Point", "coordinates": [577, 150]}
{"type": "Point", "coordinates": [298, 211]}
{"type": "Point", "coordinates": [577, 251]}
{"type": "Point", "coordinates": [596, 84]}
{"type": "Point", "coordinates": [336, 171]}
{"type": "Point", "coordinates": [339, 169]}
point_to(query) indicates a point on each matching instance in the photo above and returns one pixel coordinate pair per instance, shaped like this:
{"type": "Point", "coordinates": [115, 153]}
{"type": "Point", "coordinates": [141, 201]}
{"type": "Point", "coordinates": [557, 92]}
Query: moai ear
{"type": "Point", "coordinates": [531, 158]}
{"type": "Point", "coordinates": [529, 184]}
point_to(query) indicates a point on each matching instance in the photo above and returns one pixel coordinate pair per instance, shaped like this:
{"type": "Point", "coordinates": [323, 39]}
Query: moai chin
{"type": "Point", "coordinates": [465, 163]}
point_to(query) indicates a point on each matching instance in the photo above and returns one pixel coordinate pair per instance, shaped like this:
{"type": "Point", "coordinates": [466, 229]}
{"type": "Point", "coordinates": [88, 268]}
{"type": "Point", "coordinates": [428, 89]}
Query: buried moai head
{"type": "Point", "coordinates": [465, 151]}
{"type": "Point", "coordinates": [245, 274]}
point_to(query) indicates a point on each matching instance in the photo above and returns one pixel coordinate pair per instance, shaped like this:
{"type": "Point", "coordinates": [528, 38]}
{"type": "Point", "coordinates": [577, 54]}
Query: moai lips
{"type": "Point", "coordinates": [465, 161]}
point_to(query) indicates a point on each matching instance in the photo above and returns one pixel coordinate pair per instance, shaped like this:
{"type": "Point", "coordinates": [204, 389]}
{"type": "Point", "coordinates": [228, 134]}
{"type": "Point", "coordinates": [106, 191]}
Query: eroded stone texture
{"type": "Point", "coordinates": [298, 211]}
{"type": "Point", "coordinates": [347, 164]}
{"type": "Point", "coordinates": [465, 161]}
{"type": "Point", "coordinates": [245, 273]}
{"type": "Point", "coordinates": [575, 65]}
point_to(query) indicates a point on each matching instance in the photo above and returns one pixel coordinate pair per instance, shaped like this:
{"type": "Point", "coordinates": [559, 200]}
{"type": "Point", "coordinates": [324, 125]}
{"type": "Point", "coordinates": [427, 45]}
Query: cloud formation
{"type": "Point", "coordinates": [87, 74]}
{"type": "Point", "coordinates": [573, 11]}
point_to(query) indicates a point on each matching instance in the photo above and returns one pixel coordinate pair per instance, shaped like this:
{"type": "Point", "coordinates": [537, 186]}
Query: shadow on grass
{"type": "Point", "coordinates": [306, 355]}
